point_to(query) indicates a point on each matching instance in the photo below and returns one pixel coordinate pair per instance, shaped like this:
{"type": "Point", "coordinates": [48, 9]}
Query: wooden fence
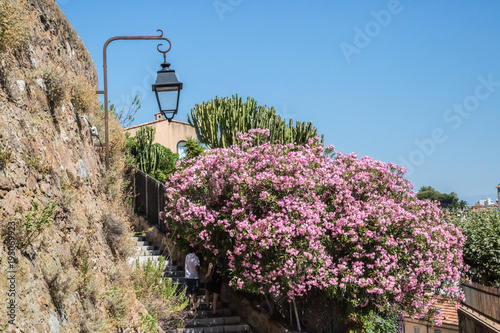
{"type": "Point", "coordinates": [480, 312]}
{"type": "Point", "coordinates": [485, 300]}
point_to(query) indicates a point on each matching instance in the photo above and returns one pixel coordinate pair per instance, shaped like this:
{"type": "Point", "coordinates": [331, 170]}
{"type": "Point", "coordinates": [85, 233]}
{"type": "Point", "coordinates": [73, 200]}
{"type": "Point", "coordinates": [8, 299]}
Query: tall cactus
{"type": "Point", "coordinates": [148, 155]}
{"type": "Point", "coordinates": [217, 121]}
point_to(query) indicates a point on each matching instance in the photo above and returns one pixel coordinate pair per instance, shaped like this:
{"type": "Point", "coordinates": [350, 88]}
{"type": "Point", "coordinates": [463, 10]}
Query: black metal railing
{"type": "Point", "coordinates": [149, 197]}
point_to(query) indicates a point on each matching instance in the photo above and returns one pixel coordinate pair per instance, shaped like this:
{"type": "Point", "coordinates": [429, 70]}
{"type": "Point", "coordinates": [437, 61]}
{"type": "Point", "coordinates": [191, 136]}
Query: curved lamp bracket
{"type": "Point", "coordinates": [105, 66]}
{"type": "Point", "coordinates": [169, 45]}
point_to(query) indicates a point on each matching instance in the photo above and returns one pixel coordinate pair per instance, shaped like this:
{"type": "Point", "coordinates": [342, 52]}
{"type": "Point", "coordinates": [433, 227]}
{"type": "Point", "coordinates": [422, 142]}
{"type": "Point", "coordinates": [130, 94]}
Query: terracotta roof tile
{"type": "Point", "coordinates": [449, 313]}
{"type": "Point", "coordinates": [154, 121]}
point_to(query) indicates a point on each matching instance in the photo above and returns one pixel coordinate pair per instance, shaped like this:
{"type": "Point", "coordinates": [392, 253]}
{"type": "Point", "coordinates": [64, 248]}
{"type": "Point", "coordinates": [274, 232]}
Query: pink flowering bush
{"type": "Point", "coordinates": [288, 220]}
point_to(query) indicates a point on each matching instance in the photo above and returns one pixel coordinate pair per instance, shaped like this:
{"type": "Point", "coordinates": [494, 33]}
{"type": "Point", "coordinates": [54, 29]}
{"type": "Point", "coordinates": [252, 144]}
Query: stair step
{"type": "Point", "coordinates": [173, 273]}
{"type": "Point", "coordinates": [201, 298]}
{"type": "Point", "coordinates": [180, 278]}
{"type": "Point", "coordinates": [203, 321]}
{"type": "Point", "coordinates": [237, 328]}
{"type": "Point", "coordinates": [144, 259]}
{"type": "Point", "coordinates": [219, 321]}
{"type": "Point", "coordinates": [145, 247]}
{"type": "Point", "coordinates": [174, 268]}
{"type": "Point", "coordinates": [208, 313]}
{"type": "Point", "coordinates": [213, 329]}
{"type": "Point", "coordinates": [182, 285]}
{"type": "Point", "coordinates": [148, 253]}
{"type": "Point", "coordinates": [220, 305]}
{"type": "Point", "coordinates": [181, 281]}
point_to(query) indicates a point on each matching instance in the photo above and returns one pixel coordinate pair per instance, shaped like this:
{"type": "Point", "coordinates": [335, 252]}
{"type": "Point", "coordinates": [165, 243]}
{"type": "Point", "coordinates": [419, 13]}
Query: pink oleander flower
{"type": "Point", "coordinates": [287, 219]}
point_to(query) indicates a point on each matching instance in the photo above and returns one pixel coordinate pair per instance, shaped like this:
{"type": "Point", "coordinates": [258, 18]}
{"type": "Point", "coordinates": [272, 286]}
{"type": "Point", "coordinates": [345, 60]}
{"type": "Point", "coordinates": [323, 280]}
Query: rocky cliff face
{"type": "Point", "coordinates": [60, 270]}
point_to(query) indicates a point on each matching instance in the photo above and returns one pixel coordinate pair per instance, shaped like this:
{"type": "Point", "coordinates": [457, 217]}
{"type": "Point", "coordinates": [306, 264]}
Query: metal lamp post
{"type": "Point", "coordinates": [167, 87]}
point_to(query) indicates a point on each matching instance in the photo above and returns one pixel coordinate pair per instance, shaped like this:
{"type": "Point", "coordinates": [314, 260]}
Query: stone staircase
{"type": "Point", "coordinates": [144, 252]}
{"type": "Point", "coordinates": [200, 321]}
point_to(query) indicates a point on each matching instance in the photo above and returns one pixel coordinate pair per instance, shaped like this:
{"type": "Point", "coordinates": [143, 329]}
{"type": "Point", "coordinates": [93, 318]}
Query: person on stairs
{"type": "Point", "coordinates": [192, 267]}
{"type": "Point", "coordinates": [213, 286]}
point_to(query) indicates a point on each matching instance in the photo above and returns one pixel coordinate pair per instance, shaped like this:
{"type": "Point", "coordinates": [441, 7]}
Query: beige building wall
{"type": "Point", "coordinates": [414, 326]}
{"type": "Point", "coordinates": [168, 134]}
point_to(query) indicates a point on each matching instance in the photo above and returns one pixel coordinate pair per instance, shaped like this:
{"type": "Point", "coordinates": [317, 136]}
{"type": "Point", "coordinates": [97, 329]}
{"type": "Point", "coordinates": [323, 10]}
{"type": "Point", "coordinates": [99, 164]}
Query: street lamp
{"type": "Point", "coordinates": [167, 87]}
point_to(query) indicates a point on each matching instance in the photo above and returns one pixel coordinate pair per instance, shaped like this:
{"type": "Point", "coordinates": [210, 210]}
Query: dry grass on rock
{"type": "Point", "coordinates": [16, 19]}
{"type": "Point", "coordinates": [117, 234]}
{"type": "Point", "coordinates": [83, 96]}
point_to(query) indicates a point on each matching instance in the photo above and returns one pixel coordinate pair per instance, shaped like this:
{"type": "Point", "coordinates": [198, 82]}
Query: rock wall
{"type": "Point", "coordinates": [63, 275]}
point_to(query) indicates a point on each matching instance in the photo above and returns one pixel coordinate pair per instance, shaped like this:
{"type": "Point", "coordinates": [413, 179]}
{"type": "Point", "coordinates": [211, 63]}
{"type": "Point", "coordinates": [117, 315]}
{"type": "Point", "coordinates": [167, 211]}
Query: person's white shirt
{"type": "Point", "coordinates": [192, 261]}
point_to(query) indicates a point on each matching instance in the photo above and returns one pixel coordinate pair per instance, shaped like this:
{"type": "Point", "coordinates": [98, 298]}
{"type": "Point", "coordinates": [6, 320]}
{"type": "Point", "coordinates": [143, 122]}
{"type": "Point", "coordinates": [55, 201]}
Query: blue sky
{"type": "Point", "coordinates": [416, 83]}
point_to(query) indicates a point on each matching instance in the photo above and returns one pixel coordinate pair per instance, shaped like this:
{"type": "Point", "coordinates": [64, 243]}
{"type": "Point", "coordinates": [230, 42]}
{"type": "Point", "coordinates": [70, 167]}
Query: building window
{"type": "Point", "coordinates": [416, 329]}
{"type": "Point", "coordinates": [181, 149]}
{"type": "Point", "coordinates": [437, 331]}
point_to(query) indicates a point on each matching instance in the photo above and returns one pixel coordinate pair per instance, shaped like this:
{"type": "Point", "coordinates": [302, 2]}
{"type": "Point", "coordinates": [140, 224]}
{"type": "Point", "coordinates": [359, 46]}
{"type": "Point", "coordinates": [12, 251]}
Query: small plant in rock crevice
{"type": "Point", "coordinates": [36, 163]}
{"type": "Point", "coordinates": [118, 303]}
{"type": "Point", "coordinates": [35, 222]}
{"type": "Point", "coordinates": [116, 233]}
{"type": "Point", "coordinates": [54, 88]}
{"type": "Point", "coordinates": [149, 322]}
{"type": "Point", "coordinates": [5, 157]}
{"type": "Point", "coordinates": [67, 200]}
{"type": "Point", "coordinates": [60, 280]}
{"type": "Point", "coordinates": [32, 161]}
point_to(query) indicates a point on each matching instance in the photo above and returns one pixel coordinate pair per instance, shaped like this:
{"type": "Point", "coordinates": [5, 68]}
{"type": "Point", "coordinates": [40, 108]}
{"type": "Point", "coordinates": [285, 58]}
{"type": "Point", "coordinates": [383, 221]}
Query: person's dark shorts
{"type": "Point", "coordinates": [192, 286]}
{"type": "Point", "coordinates": [214, 286]}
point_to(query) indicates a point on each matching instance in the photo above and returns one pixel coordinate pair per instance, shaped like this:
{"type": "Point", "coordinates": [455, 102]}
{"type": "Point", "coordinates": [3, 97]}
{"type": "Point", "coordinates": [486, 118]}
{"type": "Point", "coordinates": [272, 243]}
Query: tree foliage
{"type": "Point", "coordinates": [125, 116]}
{"type": "Point", "coordinates": [217, 121]}
{"type": "Point", "coordinates": [193, 148]}
{"type": "Point", "coordinates": [152, 158]}
{"type": "Point", "coordinates": [482, 248]}
{"type": "Point", "coordinates": [449, 201]}
{"type": "Point", "coordinates": [288, 220]}
{"type": "Point", "coordinates": [166, 164]}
